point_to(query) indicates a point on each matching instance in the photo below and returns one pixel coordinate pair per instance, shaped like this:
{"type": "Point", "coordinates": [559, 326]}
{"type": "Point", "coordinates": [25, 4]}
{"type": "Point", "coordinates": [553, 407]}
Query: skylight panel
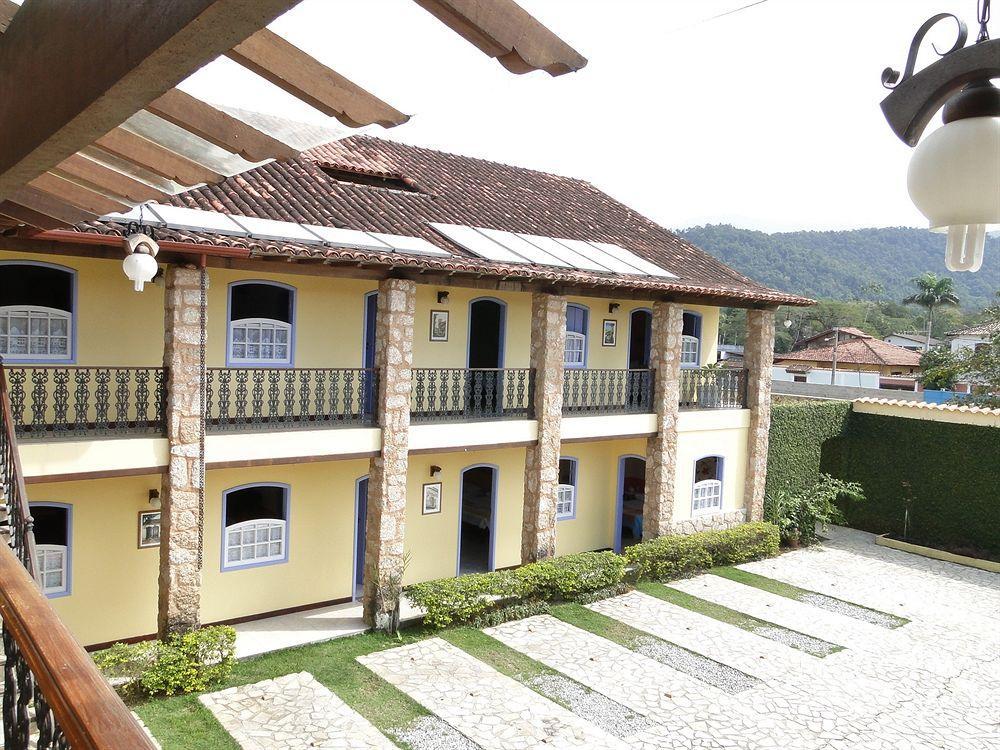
{"type": "Point", "coordinates": [138, 213]}
{"type": "Point", "coordinates": [404, 244]}
{"type": "Point", "coordinates": [645, 266]}
{"type": "Point", "coordinates": [571, 256]}
{"type": "Point", "coordinates": [193, 219]}
{"type": "Point", "coordinates": [522, 247]}
{"type": "Point", "coordinates": [477, 243]}
{"type": "Point", "coordinates": [351, 238]}
{"type": "Point", "coordinates": [270, 229]}
{"type": "Point", "coordinates": [598, 256]}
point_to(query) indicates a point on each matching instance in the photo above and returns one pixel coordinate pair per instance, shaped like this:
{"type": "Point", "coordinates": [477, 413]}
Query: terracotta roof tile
{"type": "Point", "coordinates": [867, 351]}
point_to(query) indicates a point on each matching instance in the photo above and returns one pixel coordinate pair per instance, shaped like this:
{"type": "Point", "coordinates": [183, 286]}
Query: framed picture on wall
{"type": "Point", "coordinates": [439, 325]}
{"type": "Point", "coordinates": [149, 528]}
{"type": "Point", "coordinates": [609, 334]}
{"type": "Point", "coordinates": [432, 498]}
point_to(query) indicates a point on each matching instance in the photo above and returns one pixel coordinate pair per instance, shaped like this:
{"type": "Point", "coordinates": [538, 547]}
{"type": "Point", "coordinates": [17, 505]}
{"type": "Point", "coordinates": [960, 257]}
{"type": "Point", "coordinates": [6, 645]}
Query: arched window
{"type": "Point", "coordinates": [691, 340]}
{"type": "Point", "coordinates": [37, 304]}
{"type": "Point", "coordinates": [575, 352]}
{"type": "Point", "coordinates": [53, 540]}
{"type": "Point", "coordinates": [255, 525]}
{"type": "Point", "coordinates": [707, 495]}
{"type": "Point", "coordinates": [261, 319]}
{"type": "Point", "coordinates": [566, 494]}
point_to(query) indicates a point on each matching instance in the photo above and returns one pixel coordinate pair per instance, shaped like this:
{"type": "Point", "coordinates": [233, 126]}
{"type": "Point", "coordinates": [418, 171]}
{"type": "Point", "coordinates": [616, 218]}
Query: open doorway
{"type": "Point", "coordinates": [640, 336]}
{"type": "Point", "coordinates": [477, 520]}
{"type": "Point", "coordinates": [487, 321]}
{"type": "Point", "coordinates": [360, 530]}
{"type": "Point", "coordinates": [631, 498]}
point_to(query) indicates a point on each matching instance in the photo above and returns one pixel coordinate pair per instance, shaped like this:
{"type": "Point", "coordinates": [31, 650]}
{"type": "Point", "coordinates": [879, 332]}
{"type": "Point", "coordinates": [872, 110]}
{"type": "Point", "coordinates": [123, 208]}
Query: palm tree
{"type": "Point", "coordinates": [932, 292]}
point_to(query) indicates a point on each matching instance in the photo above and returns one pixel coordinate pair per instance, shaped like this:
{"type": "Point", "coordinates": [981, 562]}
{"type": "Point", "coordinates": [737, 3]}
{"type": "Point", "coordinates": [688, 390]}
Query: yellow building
{"type": "Point", "coordinates": [399, 351]}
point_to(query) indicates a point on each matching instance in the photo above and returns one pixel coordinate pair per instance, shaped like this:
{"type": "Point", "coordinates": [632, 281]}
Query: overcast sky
{"type": "Point", "coordinates": [767, 118]}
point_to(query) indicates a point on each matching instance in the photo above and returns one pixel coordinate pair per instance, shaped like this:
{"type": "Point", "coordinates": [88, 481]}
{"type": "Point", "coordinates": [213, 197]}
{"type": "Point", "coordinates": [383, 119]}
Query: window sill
{"type": "Point", "coordinates": [266, 563]}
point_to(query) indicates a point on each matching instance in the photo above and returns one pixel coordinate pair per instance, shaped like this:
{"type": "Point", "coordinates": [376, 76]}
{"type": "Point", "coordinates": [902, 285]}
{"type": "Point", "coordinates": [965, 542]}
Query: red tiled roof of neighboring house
{"type": "Point", "coordinates": [856, 332]}
{"type": "Point", "coordinates": [981, 329]}
{"type": "Point", "coordinates": [866, 351]}
{"type": "Point", "coordinates": [423, 185]}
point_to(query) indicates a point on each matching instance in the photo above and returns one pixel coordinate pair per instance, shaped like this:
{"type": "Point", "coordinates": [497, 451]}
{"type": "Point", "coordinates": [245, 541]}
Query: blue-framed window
{"type": "Point", "coordinates": [254, 525]}
{"type": "Point", "coordinates": [566, 494]}
{"type": "Point", "coordinates": [706, 496]}
{"type": "Point", "coordinates": [37, 313]}
{"type": "Point", "coordinates": [691, 340]}
{"type": "Point", "coordinates": [261, 326]}
{"type": "Point", "coordinates": [53, 528]}
{"type": "Point", "coordinates": [575, 352]}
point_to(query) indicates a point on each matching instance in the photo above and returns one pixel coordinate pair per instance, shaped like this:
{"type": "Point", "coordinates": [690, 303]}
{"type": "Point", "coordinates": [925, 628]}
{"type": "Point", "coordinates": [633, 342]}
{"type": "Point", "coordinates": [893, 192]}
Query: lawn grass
{"type": "Point", "coordinates": [789, 591]}
{"type": "Point", "coordinates": [731, 616]}
{"type": "Point", "coordinates": [182, 723]}
{"type": "Point", "coordinates": [496, 654]}
{"type": "Point", "coordinates": [598, 624]}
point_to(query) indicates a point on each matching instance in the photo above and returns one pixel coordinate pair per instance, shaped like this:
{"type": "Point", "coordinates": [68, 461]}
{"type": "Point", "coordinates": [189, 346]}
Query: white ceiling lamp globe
{"type": "Point", "coordinates": [954, 176]}
{"type": "Point", "coordinates": [140, 268]}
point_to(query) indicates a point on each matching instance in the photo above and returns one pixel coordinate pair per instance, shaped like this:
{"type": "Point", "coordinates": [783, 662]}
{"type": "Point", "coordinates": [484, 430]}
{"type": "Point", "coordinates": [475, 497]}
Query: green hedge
{"type": "Point", "coordinates": [798, 433]}
{"type": "Point", "coordinates": [490, 597]}
{"type": "Point", "coordinates": [953, 471]}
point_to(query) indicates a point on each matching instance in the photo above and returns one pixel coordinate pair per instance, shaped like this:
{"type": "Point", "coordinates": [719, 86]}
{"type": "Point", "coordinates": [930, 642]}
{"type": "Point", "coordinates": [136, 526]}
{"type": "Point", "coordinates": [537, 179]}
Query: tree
{"type": "Point", "coordinates": [932, 292]}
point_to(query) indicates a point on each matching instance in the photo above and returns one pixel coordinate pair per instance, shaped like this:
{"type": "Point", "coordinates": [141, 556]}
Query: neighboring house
{"type": "Point", "coordinates": [972, 337]}
{"type": "Point", "coordinates": [826, 338]}
{"type": "Point", "coordinates": [915, 341]}
{"type": "Point", "coordinates": [861, 360]}
{"type": "Point", "coordinates": [385, 331]}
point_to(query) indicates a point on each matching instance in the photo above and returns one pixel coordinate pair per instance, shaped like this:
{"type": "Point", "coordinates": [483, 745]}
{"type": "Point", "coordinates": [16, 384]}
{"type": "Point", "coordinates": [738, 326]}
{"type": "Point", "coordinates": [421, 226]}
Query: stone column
{"type": "Point", "coordinates": [541, 468]}
{"type": "Point", "coordinates": [182, 495]}
{"type": "Point", "coordinates": [758, 356]}
{"type": "Point", "coordinates": [661, 449]}
{"type": "Point", "coordinates": [387, 474]}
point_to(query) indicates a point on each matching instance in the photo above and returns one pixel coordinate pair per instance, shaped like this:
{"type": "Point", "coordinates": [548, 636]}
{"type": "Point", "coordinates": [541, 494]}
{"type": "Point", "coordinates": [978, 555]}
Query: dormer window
{"type": "Point", "coordinates": [261, 320]}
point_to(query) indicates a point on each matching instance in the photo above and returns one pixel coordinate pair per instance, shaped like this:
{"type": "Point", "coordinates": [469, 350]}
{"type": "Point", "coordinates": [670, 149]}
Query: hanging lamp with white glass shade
{"type": "Point", "coordinates": [140, 264]}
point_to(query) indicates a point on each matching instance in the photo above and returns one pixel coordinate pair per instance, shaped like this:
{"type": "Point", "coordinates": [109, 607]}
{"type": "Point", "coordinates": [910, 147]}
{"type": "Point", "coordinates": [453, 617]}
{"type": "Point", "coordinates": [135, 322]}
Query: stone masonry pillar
{"type": "Point", "coordinates": [541, 468]}
{"type": "Point", "coordinates": [182, 495]}
{"type": "Point", "coordinates": [387, 474]}
{"type": "Point", "coordinates": [661, 449]}
{"type": "Point", "coordinates": [758, 357]}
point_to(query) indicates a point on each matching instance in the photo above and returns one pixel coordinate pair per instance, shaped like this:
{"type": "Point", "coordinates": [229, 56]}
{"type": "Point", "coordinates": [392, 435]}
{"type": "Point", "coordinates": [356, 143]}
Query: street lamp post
{"type": "Point", "coordinates": [954, 176]}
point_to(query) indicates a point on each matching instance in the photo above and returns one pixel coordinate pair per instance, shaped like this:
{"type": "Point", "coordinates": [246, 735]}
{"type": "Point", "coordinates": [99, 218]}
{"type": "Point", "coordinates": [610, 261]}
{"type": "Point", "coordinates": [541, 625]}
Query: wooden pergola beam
{"type": "Point", "coordinates": [289, 68]}
{"type": "Point", "coordinates": [76, 195]}
{"type": "Point", "coordinates": [7, 10]}
{"type": "Point", "coordinates": [136, 51]}
{"type": "Point", "coordinates": [219, 128]}
{"type": "Point", "coordinates": [44, 204]}
{"type": "Point", "coordinates": [154, 157]}
{"type": "Point", "coordinates": [504, 30]}
{"type": "Point", "coordinates": [104, 179]}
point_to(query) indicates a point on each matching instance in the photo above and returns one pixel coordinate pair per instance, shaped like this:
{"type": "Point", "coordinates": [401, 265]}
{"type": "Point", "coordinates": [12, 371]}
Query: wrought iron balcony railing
{"type": "Point", "coordinates": [443, 394]}
{"type": "Point", "coordinates": [607, 391]}
{"type": "Point", "coordinates": [52, 402]}
{"type": "Point", "coordinates": [713, 389]}
{"type": "Point", "coordinates": [53, 694]}
{"type": "Point", "coordinates": [249, 399]}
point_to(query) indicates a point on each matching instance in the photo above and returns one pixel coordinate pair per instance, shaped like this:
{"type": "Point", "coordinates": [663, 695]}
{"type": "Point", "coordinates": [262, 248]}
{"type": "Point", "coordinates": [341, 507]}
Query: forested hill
{"type": "Point", "coordinates": [843, 265]}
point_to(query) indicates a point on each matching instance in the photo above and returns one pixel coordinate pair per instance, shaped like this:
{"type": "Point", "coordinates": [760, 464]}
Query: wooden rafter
{"type": "Point", "coordinates": [7, 10]}
{"type": "Point", "coordinates": [76, 195]}
{"type": "Point", "coordinates": [218, 127]}
{"type": "Point", "coordinates": [44, 204]}
{"type": "Point", "coordinates": [302, 76]}
{"type": "Point", "coordinates": [504, 30]}
{"type": "Point", "coordinates": [104, 179]}
{"type": "Point", "coordinates": [154, 157]}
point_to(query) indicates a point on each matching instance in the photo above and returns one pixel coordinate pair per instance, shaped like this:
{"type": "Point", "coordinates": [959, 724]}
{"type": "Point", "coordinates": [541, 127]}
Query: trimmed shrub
{"type": "Point", "coordinates": [740, 544]}
{"type": "Point", "coordinates": [450, 601]}
{"type": "Point", "coordinates": [186, 663]}
{"type": "Point", "coordinates": [512, 612]}
{"type": "Point", "coordinates": [566, 578]}
{"type": "Point", "coordinates": [797, 436]}
{"type": "Point", "coordinates": [669, 557]}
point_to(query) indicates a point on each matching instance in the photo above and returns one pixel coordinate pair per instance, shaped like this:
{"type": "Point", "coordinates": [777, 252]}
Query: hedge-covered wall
{"type": "Point", "coordinates": [953, 470]}
{"type": "Point", "coordinates": [798, 432]}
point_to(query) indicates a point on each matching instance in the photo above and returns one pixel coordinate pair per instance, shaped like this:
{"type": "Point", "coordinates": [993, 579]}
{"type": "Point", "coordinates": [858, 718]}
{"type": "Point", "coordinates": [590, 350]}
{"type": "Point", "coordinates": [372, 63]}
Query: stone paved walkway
{"type": "Point", "coordinates": [932, 683]}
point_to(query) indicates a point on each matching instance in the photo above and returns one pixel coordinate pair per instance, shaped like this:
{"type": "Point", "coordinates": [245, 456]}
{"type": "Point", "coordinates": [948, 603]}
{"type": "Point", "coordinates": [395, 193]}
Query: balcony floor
{"type": "Point", "coordinates": [309, 626]}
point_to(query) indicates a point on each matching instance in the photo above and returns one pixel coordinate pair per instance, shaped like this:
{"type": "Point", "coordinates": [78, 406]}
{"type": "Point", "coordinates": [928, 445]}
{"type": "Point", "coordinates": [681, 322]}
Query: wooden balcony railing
{"type": "Point", "coordinates": [445, 394]}
{"type": "Point", "coordinates": [252, 399]}
{"type": "Point", "coordinates": [53, 402]}
{"type": "Point", "coordinates": [713, 389]}
{"type": "Point", "coordinates": [607, 391]}
{"type": "Point", "coordinates": [54, 696]}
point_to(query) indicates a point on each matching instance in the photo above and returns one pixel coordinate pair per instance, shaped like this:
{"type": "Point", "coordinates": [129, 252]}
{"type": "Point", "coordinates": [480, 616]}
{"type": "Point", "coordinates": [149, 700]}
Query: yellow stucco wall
{"type": "Point", "coordinates": [728, 442]}
{"type": "Point", "coordinates": [113, 582]}
{"type": "Point", "coordinates": [596, 494]}
{"type": "Point", "coordinates": [320, 541]}
{"type": "Point", "coordinates": [115, 325]}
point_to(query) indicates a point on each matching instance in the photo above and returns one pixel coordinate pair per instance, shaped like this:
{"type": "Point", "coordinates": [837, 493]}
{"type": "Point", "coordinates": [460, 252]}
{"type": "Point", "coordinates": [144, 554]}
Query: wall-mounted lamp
{"type": "Point", "coordinates": [787, 323]}
{"type": "Point", "coordinates": [154, 498]}
{"type": "Point", "coordinates": [614, 307]}
{"type": "Point", "coordinates": [435, 471]}
{"type": "Point", "coordinates": [442, 298]}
